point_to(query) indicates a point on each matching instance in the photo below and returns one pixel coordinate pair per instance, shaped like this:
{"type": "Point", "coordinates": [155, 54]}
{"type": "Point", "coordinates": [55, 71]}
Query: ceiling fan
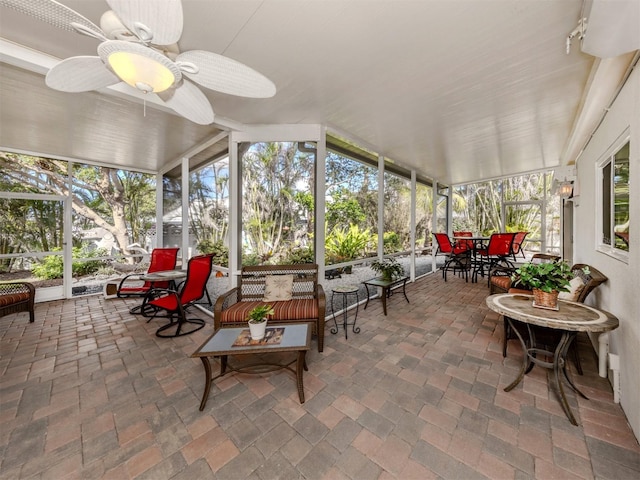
{"type": "Point", "coordinates": [139, 47]}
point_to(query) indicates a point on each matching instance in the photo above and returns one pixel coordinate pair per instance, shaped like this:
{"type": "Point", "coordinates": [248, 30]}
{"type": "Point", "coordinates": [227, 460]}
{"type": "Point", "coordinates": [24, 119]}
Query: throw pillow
{"type": "Point", "coordinates": [576, 285]}
{"type": "Point", "coordinates": [278, 288]}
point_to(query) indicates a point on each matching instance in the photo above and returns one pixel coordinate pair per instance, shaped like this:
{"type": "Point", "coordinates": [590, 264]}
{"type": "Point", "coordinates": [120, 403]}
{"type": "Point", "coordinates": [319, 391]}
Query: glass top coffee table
{"type": "Point", "coordinates": [227, 342]}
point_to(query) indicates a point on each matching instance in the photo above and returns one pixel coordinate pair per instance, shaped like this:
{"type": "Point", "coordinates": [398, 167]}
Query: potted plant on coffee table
{"type": "Point", "coordinates": [546, 280]}
{"type": "Point", "coordinates": [388, 268]}
{"type": "Point", "coordinates": [257, 319]}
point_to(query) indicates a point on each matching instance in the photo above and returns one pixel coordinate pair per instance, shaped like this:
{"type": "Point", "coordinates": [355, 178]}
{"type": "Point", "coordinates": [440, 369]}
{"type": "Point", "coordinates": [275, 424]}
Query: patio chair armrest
{"type": "Point", "coordinates": [223, 302]}
{"type": "Point", "coordinates": [322, 301]}
{"type": "Point", "coordinates": [129, 278]}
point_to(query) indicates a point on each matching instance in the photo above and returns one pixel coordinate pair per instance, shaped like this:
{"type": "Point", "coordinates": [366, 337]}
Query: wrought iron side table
{"type": "Point", "coordinates": [345, 291]}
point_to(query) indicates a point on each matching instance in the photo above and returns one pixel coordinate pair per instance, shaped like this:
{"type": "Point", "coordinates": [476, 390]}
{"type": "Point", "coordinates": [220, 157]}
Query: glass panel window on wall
{"type": "Point", "coordinates": [351, 209]}
{"type": "Point", "coordinates": [172, 209]}
{"type": "Point", "coordinates": [209, 211]}
{"type": "Point", "coordinates": [424, 228]}
{"type": "Point", "coordinates": [277, 203]}
{"type": "Point", "coordinates": [477, 208]}
{"type": "Point", "coordinates": [112, 214]}
{"type": "Point", "coordinates": [615, 200]}
{"type": "Point", "coordinates": [397, 214]}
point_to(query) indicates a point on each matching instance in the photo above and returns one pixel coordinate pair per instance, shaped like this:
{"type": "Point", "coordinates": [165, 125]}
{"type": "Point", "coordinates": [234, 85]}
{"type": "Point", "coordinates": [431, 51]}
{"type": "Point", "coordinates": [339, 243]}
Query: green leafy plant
{"type": "Point", "coordinates": [349, 244]}
{"type": "Point", "coordinates": [388, 268]}
{"type": "Point", "coordinates": [260, 313]}
{"type": "Point", "coordinates": [544, 276]}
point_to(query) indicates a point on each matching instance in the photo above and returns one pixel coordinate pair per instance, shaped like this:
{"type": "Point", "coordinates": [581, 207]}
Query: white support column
{"type": "Point", "coordinates": [320, 206]}
{"type": "Point", "coordinates": [412, 227]}
{"type": "Point", "coordinates": [450, 210]}
{"type": "Point", "coordinates": [186, 250]}
{"type": "Point", "coordinates": [234, 210]}
{"type": "Point", "coordinates": [434, 222]}
{"type": "Point", "coordinates": [159, 240]}
{"type": "Point", "coordinates": [67, 260]}
{"type": "Point", "coordinates": [380, 206]}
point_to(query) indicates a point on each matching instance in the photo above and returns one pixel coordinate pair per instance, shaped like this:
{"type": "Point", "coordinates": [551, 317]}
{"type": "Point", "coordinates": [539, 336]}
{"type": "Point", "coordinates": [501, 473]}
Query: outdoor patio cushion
{"type": "Point", "coordinates": [576, 285]}
{"type": "Point", "coordinates": [13, 298]}
{"type": "Point", "coordinates": [278, 288]}
{"type": "Point", "coordinates": [283, 311]}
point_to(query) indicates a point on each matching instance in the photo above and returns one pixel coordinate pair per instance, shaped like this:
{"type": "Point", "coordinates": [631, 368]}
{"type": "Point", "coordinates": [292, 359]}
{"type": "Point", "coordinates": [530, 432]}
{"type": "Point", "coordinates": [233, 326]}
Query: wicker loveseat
{"type": "Point", "coordinates": [307, 302]}
{"type": "Point", "coordinates": [17, 297]}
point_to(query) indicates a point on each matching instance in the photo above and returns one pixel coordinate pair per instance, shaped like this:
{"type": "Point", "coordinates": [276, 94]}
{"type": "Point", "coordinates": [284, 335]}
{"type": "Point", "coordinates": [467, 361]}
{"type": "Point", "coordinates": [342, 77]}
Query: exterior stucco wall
{"type": "Point", "coordinates": [621, 294]}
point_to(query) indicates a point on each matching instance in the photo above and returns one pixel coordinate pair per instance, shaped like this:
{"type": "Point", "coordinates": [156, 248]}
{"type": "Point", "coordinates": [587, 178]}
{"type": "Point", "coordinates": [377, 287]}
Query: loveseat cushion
{"type": "Point", "coordinates": [297, 309]}
{"type": "Point", "coordinates": [13, 298]}
{"type": "Point", "coordinates": [501, 281]}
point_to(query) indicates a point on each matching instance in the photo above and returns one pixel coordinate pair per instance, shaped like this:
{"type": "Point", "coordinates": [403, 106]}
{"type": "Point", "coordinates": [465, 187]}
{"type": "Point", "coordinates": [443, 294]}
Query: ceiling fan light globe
{"type": "Point", "coordinates": [139, 70]}
{"type": "Point", "coordinates": [136, 64]}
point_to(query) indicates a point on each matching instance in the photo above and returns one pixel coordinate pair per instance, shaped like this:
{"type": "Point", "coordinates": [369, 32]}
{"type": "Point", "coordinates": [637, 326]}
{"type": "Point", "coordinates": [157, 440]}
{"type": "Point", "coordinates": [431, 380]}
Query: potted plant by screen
{"type": "Point", "coordinates": [546, 280]}
{"type": "Point", "coordinates": [388, 268]}
{"type": "Point", "coordinates": [257, 319]}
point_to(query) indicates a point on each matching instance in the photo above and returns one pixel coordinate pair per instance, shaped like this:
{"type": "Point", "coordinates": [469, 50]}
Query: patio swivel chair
{"type": "Point", "coordinates": [496, 252]}
{"type": "Point", "coordinates": [161, 259]}
{"type": "Point", "coordinates": [175, 302]}
{"type": "Point", "coordinates": [458, 256]}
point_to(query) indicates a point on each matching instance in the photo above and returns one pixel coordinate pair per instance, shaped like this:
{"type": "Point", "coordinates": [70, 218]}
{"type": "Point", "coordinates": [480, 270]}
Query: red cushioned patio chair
{"type": "Point", "coordinates": [175, 303]}
{"type": "Point", "coordinates": [496, 252]}
{"type": "Point", "coordinates": [458, 256]}
{"type": "Point", "coordinates": [161, 259]}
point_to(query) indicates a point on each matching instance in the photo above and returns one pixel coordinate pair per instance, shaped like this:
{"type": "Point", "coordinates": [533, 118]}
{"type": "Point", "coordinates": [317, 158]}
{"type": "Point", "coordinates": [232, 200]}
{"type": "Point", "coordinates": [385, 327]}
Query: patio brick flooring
{"type": "Point", "coordinates": [88, 391]}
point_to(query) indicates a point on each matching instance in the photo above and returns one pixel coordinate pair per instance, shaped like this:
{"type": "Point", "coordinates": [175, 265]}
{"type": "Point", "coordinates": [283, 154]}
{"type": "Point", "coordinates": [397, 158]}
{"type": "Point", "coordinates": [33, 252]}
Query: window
{"type": "Point", "coordinates": [614, 200]}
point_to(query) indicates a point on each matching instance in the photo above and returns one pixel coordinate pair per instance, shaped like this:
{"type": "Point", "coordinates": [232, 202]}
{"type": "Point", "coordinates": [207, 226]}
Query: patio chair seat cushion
{"type": "Point", "coordinates": [168, 302]}
{"type": "Point", "coordinates": [13, 298]}
{"type": "Point", "coordinates": [296, 309]}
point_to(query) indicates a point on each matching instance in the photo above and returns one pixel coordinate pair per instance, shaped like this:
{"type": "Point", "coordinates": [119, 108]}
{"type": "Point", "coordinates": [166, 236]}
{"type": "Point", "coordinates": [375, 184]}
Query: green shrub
{"type": "Point", "coordinates": [298, 255]}
{"type": "Point", "coordinates": [219, 250]}
{"type": "Point", "coordinates": [52, 267]}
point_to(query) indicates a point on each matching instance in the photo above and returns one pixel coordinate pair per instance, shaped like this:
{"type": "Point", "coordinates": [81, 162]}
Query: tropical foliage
{"type": "Point", "coordinates": [277, 205]}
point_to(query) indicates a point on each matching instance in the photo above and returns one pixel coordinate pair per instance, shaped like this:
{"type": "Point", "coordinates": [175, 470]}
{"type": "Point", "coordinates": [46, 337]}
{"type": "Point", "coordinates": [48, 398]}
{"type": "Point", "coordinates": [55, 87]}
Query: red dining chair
{"type": "Point", "coordinates": [496, 252]}
{"type": "Point", "coordinates": [468, 243]}
{"type": "Point", "coordinates": [518, 244]}
{"type": "Point", "coordinates": [161, 259]}
{"type": "Point", "coordinates": [457, 256]}
{"type": "Point", "coordinates": [175, 302]}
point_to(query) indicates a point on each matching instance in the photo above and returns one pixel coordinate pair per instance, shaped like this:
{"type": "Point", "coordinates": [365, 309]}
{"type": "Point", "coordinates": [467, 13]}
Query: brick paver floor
{"type": "Point", "coordinates": [88, 391]}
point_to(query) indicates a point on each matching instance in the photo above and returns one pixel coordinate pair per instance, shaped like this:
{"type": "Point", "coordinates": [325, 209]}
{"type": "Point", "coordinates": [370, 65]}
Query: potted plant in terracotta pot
{"type": "Point", "coordinates": [257, 319]}
{"type": "Point", "coordinates": [546, 280]}
{"type": "Point", "coordinates": [388, 268]}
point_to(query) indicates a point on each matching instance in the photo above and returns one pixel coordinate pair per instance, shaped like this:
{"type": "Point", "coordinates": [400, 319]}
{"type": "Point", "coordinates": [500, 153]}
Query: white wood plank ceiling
{"type": "Point", "coordinates": [459, 90]}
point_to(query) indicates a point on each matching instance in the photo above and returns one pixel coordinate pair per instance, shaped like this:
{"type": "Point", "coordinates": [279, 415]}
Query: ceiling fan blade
{"type": "Point", "coordinates": [80, 74]}
{"type": "Point", "coordinates": [189, 101]}
{"type": "Point", "coordinates": [56, 14]}
{"type": "Point", "coordinates": [225, 75]}
{"type": "Point", "coordinates": [161, 18]}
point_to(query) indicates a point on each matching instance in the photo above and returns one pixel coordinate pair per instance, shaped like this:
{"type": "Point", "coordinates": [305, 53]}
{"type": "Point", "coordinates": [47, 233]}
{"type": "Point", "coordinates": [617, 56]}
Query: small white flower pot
{"type": "Point", "coordinates": [257, 330]}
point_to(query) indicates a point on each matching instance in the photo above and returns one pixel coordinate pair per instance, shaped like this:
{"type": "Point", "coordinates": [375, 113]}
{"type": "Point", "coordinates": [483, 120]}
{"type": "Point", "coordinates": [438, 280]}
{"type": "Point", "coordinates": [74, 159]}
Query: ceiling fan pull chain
{"type": "Point", "coordinates": [144, 107]}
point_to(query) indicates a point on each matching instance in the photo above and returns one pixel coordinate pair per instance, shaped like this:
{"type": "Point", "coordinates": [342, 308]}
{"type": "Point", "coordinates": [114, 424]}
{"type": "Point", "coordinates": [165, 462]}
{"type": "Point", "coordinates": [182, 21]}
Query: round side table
{"type": "Point", "coordinates": [345, 291]}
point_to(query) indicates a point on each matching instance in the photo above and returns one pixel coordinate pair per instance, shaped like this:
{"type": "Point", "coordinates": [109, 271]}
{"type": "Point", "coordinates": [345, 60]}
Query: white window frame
{"type": "Point", "coordinates": [608, 158]}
